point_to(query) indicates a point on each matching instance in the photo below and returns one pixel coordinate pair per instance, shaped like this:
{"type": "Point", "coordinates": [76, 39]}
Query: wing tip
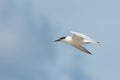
{"type": "Point", "coordinates": [89, 53]}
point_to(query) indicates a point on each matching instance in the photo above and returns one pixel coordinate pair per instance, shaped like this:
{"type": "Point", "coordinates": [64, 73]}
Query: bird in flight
{"type": "Point", "coordinates": [77, 40]}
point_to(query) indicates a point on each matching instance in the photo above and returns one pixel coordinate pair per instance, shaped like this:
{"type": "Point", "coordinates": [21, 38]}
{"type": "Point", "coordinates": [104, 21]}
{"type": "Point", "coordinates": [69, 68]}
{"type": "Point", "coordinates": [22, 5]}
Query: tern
{"type": "Point", "coordinates": [77, 40]}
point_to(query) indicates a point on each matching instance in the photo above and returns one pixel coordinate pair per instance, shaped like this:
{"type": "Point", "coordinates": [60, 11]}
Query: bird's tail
{"type": "Point", "coordinates": [95, 42]}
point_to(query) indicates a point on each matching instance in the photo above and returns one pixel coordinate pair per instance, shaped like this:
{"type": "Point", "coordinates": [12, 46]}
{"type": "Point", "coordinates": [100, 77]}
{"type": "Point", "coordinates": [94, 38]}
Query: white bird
{"type": "Point", "coordinates": [77, 40]}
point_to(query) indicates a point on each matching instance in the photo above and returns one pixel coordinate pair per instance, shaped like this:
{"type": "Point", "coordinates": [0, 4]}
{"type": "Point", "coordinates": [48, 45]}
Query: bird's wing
{"type": "Point", "coordinates": [77, 39]}
{"type": "Point", "coordinates": [80, 35]}
{"type": "Point", "coordinates": [80, 47]}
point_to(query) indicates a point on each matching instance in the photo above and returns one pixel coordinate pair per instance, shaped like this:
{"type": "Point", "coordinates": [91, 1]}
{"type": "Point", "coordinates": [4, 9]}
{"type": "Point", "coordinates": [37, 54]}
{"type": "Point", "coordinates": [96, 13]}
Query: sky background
{"type": "Point", "coordinates": [28, 29]}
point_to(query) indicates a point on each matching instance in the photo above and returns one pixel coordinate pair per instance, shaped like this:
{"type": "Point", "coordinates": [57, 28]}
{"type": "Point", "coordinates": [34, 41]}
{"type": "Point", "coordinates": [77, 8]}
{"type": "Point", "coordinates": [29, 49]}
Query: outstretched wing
{"type": "Point", "coordinates": [77, 38]}
{"type": "Point", "coordinates": [80, 35]}
{"type": "Point", "coordinates": [82, 49]}
{"type": "Point", "coordinates": [83, 38]}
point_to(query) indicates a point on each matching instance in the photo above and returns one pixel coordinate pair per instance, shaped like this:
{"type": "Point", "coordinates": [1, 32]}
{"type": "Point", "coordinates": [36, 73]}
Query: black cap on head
{"type": "Point", "coordinates": [60, 39]}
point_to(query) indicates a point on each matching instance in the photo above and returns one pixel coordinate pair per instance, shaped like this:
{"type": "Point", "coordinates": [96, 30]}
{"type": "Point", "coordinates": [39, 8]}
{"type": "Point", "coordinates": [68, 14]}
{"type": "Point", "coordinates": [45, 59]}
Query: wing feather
{"type": "Point", "coordinates": [82, 49]}
{"type": "Point", "coordinates": [80, 35]}
{"type": "Point", "coordinates": [83, 38]}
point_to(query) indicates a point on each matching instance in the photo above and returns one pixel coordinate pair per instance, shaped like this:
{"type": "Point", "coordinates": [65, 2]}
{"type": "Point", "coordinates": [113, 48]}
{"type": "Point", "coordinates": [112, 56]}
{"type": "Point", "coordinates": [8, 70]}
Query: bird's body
{"type": "Point", "coordinates": [77, 40]}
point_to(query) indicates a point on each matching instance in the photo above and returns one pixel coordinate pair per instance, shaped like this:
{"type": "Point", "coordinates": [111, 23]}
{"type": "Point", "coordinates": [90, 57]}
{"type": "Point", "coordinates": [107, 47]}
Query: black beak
{"type": "Point", "coordinates": [57, 40]}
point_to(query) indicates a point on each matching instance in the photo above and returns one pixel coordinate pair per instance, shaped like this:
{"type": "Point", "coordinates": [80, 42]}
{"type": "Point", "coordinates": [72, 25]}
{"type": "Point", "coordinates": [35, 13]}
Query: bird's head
{"type": "Point", "coordinates": [61, 39]}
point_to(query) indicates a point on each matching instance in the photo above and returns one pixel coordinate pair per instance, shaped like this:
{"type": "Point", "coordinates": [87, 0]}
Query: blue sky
{"type": "Point", "coordinates": [29, 27]}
